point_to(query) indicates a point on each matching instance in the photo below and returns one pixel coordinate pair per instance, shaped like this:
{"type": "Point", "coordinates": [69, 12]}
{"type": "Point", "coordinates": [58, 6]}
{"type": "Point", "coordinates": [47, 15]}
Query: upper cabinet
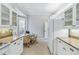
{"type": "Point", "coordinates": [14, 18]}
{"type": "Point", "coordinates": [4, 15]}
{"type": "Point", "coordinates": [68, 17]}
{"type": "Point", "coordinates": [8, 15]}
{"type": "Point", "coordinates": [77, 13]}
{"type": "Point", "coordinates": [21, 25]}
{"type": "Point", "coordinates": [71, 16]}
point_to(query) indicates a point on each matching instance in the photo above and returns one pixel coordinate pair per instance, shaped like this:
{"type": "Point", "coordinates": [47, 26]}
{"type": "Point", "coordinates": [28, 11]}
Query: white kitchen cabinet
{"type": "Point", "coordinates": [69, 17]}
{"type": "Point", "coordinates": [76, 14]}
{"type": "Point", "coordinates": [14, 18]}
{"type": "Point", "coordinates": [8, 15]}
{"type": "Point", "coordinates": [16, 48]}
{"type": "Point", "coordinates": [4, 50]}
{"type": "Point", "coordinates": [72, 51]}
{"type": "Point", "coordinates": [65, 49]}
{"type": "Point", "coordinates": [4, 15]}
{"type": "Point", "coordinates": [61, 48]}
{"type": "Point", "coordinates": [21, 25]}
{"type": "Point", "coordinates": [20, 46]}
{"type": "Point", "coordinates": [12, 49]}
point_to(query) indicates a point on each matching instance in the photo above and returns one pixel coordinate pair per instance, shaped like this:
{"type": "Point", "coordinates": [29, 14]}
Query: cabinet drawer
{"type": "Point", "coordinates": [59, 41]}
{"type": "Point", "coordinates": [66, 49]}
{"type": "Point", "coordinates": [16, 47]}
{"type": "Point", "coordinates": [73, 51]}
{"type": "Point", "coordinates": [4, 50]}
{"type": "Point", "coordinates": [62, 48]}
{"type": "Point", "coordinates": [19, 41]}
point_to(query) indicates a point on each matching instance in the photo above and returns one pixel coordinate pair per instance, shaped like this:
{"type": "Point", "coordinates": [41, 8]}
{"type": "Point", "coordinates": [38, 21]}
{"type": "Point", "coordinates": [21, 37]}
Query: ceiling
{"type": "Point", "coordinates": [39, 8]}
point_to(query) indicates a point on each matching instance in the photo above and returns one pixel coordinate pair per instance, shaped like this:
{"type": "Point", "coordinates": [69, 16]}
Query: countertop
{"type": "Point", "coordinates": [4, 45]}
{"type": "Point", "coordinates": [7, 41]}
{"type": "Point", "coordinates": [74, 42]}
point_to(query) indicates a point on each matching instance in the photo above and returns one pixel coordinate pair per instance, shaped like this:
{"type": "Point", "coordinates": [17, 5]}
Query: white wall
{"type": "Point", "coordinates": [36, 24]}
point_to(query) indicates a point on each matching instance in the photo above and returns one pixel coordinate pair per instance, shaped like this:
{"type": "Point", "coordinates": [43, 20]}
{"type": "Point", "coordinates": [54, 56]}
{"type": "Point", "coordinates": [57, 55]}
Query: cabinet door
{"type": "Point", "coordinates": [12, 49]}
{"type": "Point", "coordinates": [4, 50]}
{"type": "Point", "coordinates": [77, 14]}
{"type": "Point", "coordinates": [20, 45]}
{"type": "Point", "coordinates": [61, 48]}
{"type": "Point", "coordinates": [72, 51]}
{"type": "Point", "coordinates": [14, 19]}
{"type": "Point", "coordinates": [21, 25]}
{"type": "Point", "coordinates": [69, 17]}
{"type": "Point", "coordinates": [5, 15]}
{"type": "Point", "coordinates": [16, 48]}
{"type": "Point", "coordinates": [65, 49]}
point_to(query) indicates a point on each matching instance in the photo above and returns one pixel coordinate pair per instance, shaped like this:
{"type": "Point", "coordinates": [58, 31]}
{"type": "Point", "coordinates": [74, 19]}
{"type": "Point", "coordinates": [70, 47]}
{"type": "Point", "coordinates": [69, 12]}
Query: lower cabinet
{"type": "Point", "coordinates": [72, 51]}
{"type": "Point", "coordinates": [16, 47]}
{"type": "Point", "coordinates": [61, 48]}
{"type": "Point", "coordinates": [65, 49]}
{"type": "Point", "coordinates": [4, 50]}
{"type": "Point", "coordinates": [20, 46]}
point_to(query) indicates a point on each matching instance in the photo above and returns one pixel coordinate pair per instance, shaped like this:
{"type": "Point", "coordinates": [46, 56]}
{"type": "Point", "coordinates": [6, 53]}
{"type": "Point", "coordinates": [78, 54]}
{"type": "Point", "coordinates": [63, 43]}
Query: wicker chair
{"type": "Point", "coordinates": [26, 40]}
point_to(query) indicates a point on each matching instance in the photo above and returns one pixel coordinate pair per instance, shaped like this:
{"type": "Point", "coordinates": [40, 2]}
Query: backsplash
{"type": "Point", "coordinates": [5, 32]}
{"type": "Point", "coordinates": [62, 33]}
{"type": "Point", "coordinates": [74, 32]}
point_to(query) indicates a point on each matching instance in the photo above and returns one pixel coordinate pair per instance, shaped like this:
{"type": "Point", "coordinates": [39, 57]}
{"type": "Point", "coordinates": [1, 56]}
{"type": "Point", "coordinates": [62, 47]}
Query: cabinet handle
{"type": "Point", "coordinates": [64, 48]}
{"type": "Point", "coordinates": [18, 43]}
{"type": "Point", "coordinates": [71, 49]}
{"type": "Point", "coordinates": [15, 43]}
{"type": "Point", "coordinates": [59, 41]}
{"type": "Point", "coordinates": [4, 54]}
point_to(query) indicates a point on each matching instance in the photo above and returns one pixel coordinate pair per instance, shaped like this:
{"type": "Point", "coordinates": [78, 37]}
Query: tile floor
{"type": "Point", "coordinates": [36, 49]}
